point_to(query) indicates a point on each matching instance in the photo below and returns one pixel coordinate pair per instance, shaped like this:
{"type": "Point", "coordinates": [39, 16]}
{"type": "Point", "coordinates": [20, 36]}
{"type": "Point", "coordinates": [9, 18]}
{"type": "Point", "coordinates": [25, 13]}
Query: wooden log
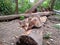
{"type": "Point", "coordinates": [34, 6]}
{"type": "Point", "coordinates": [8, 17]}
{"type": "Point", "coordinates": [35, 37]}
{"type": "Point", "coordinates": [52, 3]}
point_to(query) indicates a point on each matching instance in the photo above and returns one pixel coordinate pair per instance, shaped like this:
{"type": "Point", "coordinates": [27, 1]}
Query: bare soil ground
{"type": "Point", "coordinates": [55, 33]}
{"type": "Point", "coordinates": [47, 27]}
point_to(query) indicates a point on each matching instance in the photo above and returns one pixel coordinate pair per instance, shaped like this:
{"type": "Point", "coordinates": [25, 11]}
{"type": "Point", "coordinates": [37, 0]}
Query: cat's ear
{"type": "Point", "coordinates": [26, 26]}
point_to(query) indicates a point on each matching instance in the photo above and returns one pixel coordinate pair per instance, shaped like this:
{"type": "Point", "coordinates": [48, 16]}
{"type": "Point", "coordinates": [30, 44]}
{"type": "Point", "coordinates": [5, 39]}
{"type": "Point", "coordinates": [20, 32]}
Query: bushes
{"type": "Point", "coordinates": [24, 5]}
{"type": "Point", "coordinates": [46, 3]}
{"type": "Point", "coordinates": [8, 6]}
{"type": "Point", "coordinates": [57, 5]}
{"type": "Point", "coordinates": [5, 7]}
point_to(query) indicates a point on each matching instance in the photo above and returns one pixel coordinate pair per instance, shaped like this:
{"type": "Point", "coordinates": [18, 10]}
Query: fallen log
{"type": "Point", "coordinates": [8, 17]}
{"type": "Point", "coordinates": [35, 37]}
{"type": "Point", "coordinates": [34, 6]}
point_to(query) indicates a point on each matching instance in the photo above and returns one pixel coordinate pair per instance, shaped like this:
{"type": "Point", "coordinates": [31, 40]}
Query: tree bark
{"type": "Point", "coordinates": [16, 10]}
{"type": "Point", "coordinates": [35, 6]}
{"type": "Point", "coordinates": [52, 2]}
{"type": "Point", "coordinates": [8, 17]}
{"type": "Point", "coordinates": [35, 34]}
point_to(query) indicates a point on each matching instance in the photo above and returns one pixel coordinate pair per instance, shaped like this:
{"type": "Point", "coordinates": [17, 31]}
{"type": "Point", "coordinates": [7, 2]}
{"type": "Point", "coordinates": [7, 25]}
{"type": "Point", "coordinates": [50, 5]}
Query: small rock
{"type": "Point", "coordinates": [51, 40]}
{"type": "Point", "coordinates": [48, 43]}
{"type": "Point", "coordinates": [3, 41]}
{"type": "Point", "coordinates": [12, 43]}
{"type": "Point", "coordinates": [16, 37]}
{"type": "Point", "coordinates": [13, 38]}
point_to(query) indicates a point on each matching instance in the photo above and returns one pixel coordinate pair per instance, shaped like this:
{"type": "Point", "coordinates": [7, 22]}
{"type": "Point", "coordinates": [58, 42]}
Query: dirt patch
{"type": "Point", "coordinates": [55, 33]}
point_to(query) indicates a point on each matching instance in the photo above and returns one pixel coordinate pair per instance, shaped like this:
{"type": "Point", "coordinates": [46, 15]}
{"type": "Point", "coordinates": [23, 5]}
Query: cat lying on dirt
{"type": "Point", "coordinates": [33, 21]}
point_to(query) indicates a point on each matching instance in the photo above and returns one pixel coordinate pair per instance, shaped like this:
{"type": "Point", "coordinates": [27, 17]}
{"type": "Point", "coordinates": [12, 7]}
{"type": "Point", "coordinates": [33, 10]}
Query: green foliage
{"type": "Point", "coordinates": [47, 36]}
{"type": "Point", "coordinates": [23, 5]}
{"type": "Point", "coordinates": [13, 7]}
{"type": "Point", "coordinates": [5, 7]}
{"type": "Point", "coordinates": [8, 6]}
{"type": "Point", "coordinates": [57, 5]}
{"type": "Point", "coordinates": [46, 3]}
{"type": "Point", "coordinates": [22, 17]}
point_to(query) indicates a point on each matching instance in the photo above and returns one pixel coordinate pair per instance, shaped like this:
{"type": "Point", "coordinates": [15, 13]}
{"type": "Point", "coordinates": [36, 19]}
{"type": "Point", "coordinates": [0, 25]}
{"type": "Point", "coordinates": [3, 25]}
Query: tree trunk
{"type": "Point", "coordinates": [52, 2]}
{"type": "Point", "coordinates": [16, 10]}
{"type": "Point", "coordinates": [34, 7]}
